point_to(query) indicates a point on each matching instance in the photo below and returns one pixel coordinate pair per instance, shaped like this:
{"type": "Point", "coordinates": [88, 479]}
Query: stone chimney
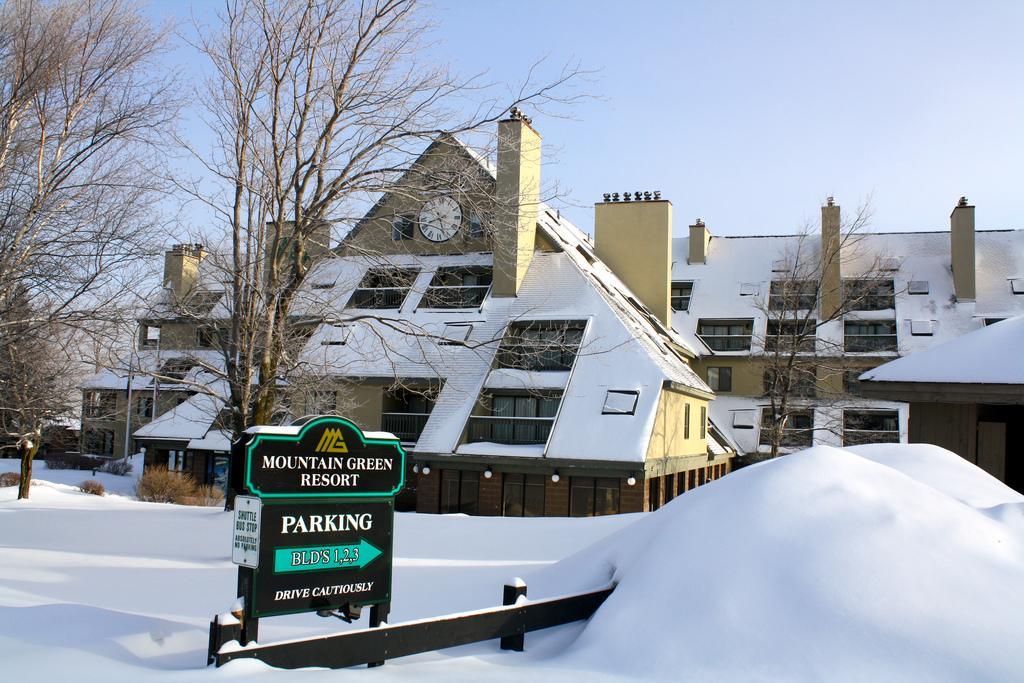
{"type": "Point", "coordinates": [961, 248]}
{"type": "Point", "coordinates": [700, 237]}
{"type": "Point", "coordinates": [181, 268]}
{"type": "Point", "coordinates": [518, 200]}
{"type": "Point", "coordinates": [831, 260]}
{"type": "Point", "coordinates": [633, 236]}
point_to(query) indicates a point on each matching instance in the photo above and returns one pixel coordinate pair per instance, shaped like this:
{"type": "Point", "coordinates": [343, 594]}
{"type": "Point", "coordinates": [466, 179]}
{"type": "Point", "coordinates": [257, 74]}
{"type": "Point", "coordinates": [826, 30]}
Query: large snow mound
{"type": "Point", "coordinates": [870, 563]}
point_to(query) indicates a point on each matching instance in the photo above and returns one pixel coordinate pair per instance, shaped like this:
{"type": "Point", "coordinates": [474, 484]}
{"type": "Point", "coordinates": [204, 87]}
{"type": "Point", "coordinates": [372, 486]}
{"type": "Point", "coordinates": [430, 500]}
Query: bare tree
{"type": "Point", "coordinates": [81, 112]}
{"type": "Point", "coordinates": [37, 385]}
{"type": "Point", "coordinates": [815, 286]}
{"type": "Point", "coordinates": [318, 106]}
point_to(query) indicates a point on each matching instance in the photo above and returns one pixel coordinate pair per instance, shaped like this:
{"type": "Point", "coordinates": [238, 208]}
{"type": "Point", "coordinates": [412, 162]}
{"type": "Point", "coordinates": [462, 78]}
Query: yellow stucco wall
{"type": "Point", "coordinates": [668, 437]}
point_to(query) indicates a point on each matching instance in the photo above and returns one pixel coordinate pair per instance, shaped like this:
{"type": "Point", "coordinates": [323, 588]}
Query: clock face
{"type": "Point", "coordinates": [440, 219]}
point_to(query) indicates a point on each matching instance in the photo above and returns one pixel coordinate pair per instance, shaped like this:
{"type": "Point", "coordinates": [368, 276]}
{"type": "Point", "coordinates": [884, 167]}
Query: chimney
{"type": "Point", "coordinates": [831, 260]}
{"type": "Point", "coordinates": [699, 239]}
{"type": "Point", "coordinates": [634, 238]}
{"type": "Point", "coordinates": [961, 247]}
{"type": "Point", "coordinates": [181, 268]}
{"type": "Point", "coordinates": [518, 199]}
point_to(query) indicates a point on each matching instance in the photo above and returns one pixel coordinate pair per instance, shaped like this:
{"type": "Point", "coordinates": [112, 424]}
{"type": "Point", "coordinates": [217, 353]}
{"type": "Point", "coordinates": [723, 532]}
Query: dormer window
{"type": "Point", "coordinates": [870, 295]}
{"type": "Point", "coordinates": [462, 287]}
{"type": "Point", "coordinates": [793, 295]}
{"type": "Point", "coordinates": [726, 335]}
{"type": "Point", "coordinates": [681, 294]}
{"type": "Point", "coordinates": [541, 345]}
{"type": "Point", "coordinates": [176, 369]}
{"type": "Point", "coordinates": [383, 288]}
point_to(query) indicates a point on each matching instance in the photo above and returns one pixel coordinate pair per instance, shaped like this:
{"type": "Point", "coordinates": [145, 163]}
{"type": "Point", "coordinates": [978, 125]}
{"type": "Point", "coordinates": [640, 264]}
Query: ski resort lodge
{"type": "Point", "coordinates": [533, 370]}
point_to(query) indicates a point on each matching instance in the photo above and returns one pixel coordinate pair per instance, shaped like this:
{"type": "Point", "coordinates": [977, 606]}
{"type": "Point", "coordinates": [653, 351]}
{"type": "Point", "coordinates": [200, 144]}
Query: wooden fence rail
{"type": "Point", "coordinates": [375, 645]}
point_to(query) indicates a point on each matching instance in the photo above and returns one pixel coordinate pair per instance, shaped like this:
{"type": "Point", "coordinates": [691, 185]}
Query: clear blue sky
{"type": "Point", "coordinates": [748, 114]}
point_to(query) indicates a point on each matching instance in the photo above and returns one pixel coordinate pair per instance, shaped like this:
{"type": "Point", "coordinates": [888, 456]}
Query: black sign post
{"type": "Point", "coordinates": [326, 493]}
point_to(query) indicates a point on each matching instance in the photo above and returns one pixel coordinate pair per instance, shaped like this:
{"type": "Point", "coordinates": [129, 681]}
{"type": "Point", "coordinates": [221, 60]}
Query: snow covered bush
{"type": "Point", "coordinates": [92, 486]}
{"type": "Point", "coordinates": [121, 467]}
{"type": "Point", "coordinates": [9, 479]}
{"type": "Point", "coordinates": [158, 485]}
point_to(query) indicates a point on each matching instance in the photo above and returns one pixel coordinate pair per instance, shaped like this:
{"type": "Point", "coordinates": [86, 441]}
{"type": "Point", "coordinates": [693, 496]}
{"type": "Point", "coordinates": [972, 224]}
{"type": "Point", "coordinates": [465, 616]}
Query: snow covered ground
{"type": "Point", "coordinates": [867, 563]}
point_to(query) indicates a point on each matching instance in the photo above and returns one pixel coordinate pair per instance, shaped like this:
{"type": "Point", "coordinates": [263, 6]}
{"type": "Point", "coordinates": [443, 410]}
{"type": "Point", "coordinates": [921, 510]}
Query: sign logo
{"type": "Point", "coordinates": [329, 457]}
{"type": "Point", "coordinates": [333, 441]}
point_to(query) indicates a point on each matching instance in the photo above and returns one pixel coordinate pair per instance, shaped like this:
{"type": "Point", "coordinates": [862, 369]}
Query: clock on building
{"type": "Point", "coordinates": [440, 219]}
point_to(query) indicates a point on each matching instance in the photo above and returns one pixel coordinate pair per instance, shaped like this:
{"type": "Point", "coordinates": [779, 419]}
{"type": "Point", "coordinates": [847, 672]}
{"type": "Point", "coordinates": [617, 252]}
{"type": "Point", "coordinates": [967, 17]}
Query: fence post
{"type": "Point", "coordinates": [511, 593]}
{"type": "Point", "coordinates": [378, 615]}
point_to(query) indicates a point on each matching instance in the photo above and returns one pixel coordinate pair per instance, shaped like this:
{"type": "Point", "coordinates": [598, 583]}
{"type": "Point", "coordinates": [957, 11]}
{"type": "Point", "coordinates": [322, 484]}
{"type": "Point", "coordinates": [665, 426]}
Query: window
{"type": "Point", "coordinates": [523, 495]}
{"type": "Point", "coordinates": [993, 321]}
{"type": "Point", "coordinates": [793, 295]}
{"type": "Point", "coordinates": [144, 407]}
{"type": "Point", "coordinates": [879, 335]}
{"type": "Point", "coordinates": [870, 426]}
{"type": "Point", "coordinates": [336, 335]}
{"type": "Point", "coordinates": [210, 338]}
{"type": "Point", "coordinates": [653, 493]}
{"type": "Point", "coordinates": [476, 226]}
{"type": "Point", "coordinates": [175, 369]}
{"type": "Point", "coordinates": [870, 295]}
{"type": "Point", "coordinates": [458, 288]}
{"type": "Point", "coordinates": [720, 379]}
{"type": "Point", "coordinates": [541, 345]}
{"type": "Point", "coordinates": [590, 496]}
{"type": "Point", "coordinates": [383, 288]}
{"type": "Point", "coordinates": [1017, 285]}
{"type": "Point", "coordinates": [798, 432]}
{"type": "Point", "coordinates": [402, 228]}
{"type": "Point", "coordinates": [686, 421]}
{"type": "Point", "coordinates": [726, 335]}
{"type": "Point", "coordinates": [149, 336]}
{"type": "Point", "coordinates": [100, 405]}
{"type": "Point", "coordinates": [459, 492]}
{"type": "Point", "coordinates": [515, 419]}
{"type": "Point", "coordinates": [790, 335]}
{"type": "Point", "coordinates": [620, 402]}
{"type": "Point", "coordinates": [681, 293]}
{"type": "Point", "coordinates": [455, 334]}
{"type": "Point", "coordinates": [703, 422]}
{"type": "Point", "coordinates": [797, 382]}
{"type": "Point", "coordinates": [851, 383]}
{"type": "Point", "coordinates": [922, 328]}
{"type": "Point", "coordinates": [98, 441]}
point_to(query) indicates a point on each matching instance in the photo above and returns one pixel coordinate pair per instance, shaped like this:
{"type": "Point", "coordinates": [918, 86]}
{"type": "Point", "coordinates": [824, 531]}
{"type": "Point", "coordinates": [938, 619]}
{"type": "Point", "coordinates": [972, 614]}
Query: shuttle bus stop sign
{"type": "Point", "coordinates": [327, 457]}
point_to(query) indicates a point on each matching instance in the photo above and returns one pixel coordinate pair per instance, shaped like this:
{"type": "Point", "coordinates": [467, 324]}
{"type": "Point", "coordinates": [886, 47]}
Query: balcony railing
{"type": "Point", "coordinates": [537, 357]}
{"type": "Point", "coordinates": [510, 430]}
{"type": "Point", "coordinates": [870, 342]}
{"type": "Point", "coordinates": [380, 297]}
{"type": "Point", "coordinates": [406, 426]}
{"type": "Point", "coordinates": [454, 296]}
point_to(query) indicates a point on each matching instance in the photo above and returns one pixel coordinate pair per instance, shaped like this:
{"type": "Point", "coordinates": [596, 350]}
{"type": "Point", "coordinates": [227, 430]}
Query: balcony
{"type": "Point", "coordinates": [379, 297]}
{"type": "Point", "coordinates": [454, 296]}
{"type": "Point", "coordinates": [510, 430]}
{"type": "Point", "coordinates": [537, 357]}
{"type": "Point", "coordinates": [406, 426]}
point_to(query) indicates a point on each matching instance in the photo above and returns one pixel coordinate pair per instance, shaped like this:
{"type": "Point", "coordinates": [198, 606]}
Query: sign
{"type": "Point", "coordinates": [245, 541]}
{"type": "Point", "coordinates": [322, 555]}
{"type": "Point", "coordinates": [328, 457]}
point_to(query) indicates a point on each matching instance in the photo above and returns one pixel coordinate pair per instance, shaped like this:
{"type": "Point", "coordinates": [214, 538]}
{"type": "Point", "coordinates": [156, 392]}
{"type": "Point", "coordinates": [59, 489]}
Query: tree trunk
{"type": "Point", "coordinates": [28, 453]}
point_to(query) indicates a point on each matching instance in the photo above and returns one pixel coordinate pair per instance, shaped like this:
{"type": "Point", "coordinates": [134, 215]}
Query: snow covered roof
{"type": "Point", "coordinates": [189, 420]}
{"type": "Point", "coordinates": [991, 355]}
{"type": "Point", "coordinates": [739, 271]}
